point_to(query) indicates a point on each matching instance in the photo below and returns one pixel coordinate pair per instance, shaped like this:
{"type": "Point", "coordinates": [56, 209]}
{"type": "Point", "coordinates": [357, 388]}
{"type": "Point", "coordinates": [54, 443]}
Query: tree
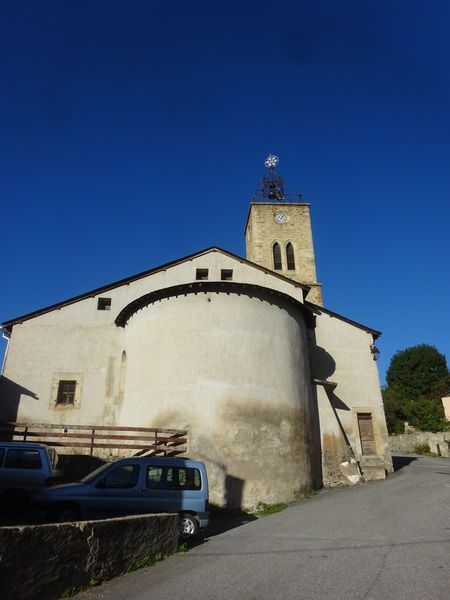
{"type": "Point", "coordinates": [394, 409]}
{"type": "Point", "coordinates": [417, 377]}
{"type": "Point", "coordinates": [419, 372]}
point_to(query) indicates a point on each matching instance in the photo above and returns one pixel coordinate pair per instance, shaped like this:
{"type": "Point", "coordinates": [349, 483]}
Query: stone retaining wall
{"type": "Point", "coordinates": [41, 562]}
{"type": "Point", "coordinates": [406, 442]}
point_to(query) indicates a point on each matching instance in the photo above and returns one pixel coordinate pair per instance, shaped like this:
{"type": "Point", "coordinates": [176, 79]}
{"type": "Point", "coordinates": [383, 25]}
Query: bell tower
{"type": "Point", "coordinates": [278, 233]}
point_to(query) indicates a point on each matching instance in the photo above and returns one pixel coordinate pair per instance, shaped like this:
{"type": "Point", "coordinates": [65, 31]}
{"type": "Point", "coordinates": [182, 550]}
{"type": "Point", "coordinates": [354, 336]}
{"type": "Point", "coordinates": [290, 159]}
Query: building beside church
{"type": "Point", "coordinates": [278, 393]}
{"type": "Point", "coordinates": [446, 404]}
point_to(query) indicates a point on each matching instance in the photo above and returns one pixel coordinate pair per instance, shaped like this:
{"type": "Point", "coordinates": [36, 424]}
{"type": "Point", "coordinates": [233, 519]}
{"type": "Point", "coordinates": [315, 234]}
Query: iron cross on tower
{"type": "Point", "coordinates": [272, 185]}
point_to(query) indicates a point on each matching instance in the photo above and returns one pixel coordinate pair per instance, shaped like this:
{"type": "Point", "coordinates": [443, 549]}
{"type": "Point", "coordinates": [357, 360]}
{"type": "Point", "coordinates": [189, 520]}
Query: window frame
{"type": "Point", "coordinates": [277, 259]}
{"type": "Point", "coordinates": [104, 303]}
{"type": "Point", "coordinates": [290, 256]}
{"type": "Point", "coordinates": [173, 483]}
{"type": "Point", "coordinates": [65, 376]}
{"type": "Point", "coordinates": [60, 401]}
{"type": "Point", "coordinates": [201, 274]}
{"type": "Point", "coordinates": [17, 465]}
{"type": "Point", "coordinates": [136, 471]}
{"type": "Point", "coordinates": [226, 274]}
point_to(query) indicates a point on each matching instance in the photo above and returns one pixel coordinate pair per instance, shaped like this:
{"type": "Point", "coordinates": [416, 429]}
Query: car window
{"type": "Point", "coordinates": [173, 478]}
{"type": "Point", "coordinates": [91, 476]}
{"type": "Point", "coordinates": [125, 476]}
{"type": "Point", "coordinates": [23, 459]}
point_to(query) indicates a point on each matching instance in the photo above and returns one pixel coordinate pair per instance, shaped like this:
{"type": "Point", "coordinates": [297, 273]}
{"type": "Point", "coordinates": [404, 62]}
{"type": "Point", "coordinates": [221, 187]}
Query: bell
{"type": "Point", "coordinates": [272, 191]}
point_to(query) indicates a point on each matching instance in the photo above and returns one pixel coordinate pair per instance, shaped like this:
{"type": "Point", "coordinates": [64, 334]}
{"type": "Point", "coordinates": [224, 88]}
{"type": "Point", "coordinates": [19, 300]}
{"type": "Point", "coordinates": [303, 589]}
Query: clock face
{"type": "Point", "coordinates": [280, 217]}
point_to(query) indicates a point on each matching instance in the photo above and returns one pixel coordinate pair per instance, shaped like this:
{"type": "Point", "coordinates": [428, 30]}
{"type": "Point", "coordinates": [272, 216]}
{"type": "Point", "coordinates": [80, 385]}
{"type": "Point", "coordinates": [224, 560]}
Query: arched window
{"type": "Point", "coordinates": [290, 257]}
{"type": "Point", "coordinates": [277, 257]}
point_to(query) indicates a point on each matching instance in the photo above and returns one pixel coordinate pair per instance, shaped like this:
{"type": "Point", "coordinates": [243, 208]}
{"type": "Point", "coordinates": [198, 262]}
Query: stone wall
{"type": "Point", "coordinates": [407, 442]}
{"type": "Point", "coordinates": [42, 562]}
{"type": "Point", "coordinates": [263, 230]}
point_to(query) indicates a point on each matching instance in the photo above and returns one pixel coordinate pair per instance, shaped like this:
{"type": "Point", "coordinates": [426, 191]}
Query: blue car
{"type": "Point", "coordinates": [133, 485]}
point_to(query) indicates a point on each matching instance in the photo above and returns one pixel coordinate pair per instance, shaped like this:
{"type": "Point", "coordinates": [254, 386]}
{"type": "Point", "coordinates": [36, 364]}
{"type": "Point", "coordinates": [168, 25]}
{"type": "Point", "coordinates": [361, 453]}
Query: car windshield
{"type": "Point", "coordinates": [90, 476]}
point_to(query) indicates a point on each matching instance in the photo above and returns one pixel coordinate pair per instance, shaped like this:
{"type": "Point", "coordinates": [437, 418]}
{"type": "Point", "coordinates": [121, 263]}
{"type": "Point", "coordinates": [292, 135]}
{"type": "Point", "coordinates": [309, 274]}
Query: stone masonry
{"type": "Point", "coordinates": [43, 562]}
{"type": "Point", "coordinates": [262, 231]}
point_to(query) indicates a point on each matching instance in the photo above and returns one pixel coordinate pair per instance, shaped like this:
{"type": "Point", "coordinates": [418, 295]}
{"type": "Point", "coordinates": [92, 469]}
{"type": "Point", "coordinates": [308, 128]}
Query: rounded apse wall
{"type": "Point", "coordinates": [233, 370]}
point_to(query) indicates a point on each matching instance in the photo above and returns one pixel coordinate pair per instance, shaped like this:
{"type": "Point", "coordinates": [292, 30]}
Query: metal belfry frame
{"type": "Point", "coordinates": [272, 184]}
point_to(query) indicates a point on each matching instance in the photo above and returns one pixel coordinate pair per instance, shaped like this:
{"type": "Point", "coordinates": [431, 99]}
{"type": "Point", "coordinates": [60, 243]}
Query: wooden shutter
{"type": "Point", "coordinates": [366, 433]}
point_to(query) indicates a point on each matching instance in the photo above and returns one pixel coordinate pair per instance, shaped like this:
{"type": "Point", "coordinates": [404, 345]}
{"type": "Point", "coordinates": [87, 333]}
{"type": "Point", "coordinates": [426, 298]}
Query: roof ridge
{"type": "Point", "coordinates": [6, 326]}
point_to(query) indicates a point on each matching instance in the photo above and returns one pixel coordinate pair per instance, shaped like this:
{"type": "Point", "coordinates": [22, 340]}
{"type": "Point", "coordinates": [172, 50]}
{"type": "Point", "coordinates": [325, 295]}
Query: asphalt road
{"type": "Point", "coordinates": [382, 540]}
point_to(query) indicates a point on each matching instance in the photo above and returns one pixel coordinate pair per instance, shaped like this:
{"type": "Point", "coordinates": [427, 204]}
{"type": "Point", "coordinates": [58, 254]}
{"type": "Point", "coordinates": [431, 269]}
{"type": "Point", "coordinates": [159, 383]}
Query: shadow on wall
{"type": "Point", "coordinates": [322, 367]}
{"type": "Point", "coordinates": [323, 364]}
{"type": "Point", "coordinates": [10, 393]}
{"type": "Point", "coordinates": [336, 402]}
{"type": "Point", "coordinates": [234, 488]}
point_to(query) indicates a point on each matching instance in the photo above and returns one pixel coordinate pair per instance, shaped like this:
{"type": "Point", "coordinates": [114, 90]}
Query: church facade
{"type": "Point", "coordinates": [278, 393]}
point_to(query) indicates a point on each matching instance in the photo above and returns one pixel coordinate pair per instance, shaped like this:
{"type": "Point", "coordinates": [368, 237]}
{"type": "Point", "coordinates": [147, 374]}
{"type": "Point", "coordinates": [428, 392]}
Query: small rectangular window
{"type": "Point", "coordinates": [226, 274]}
{"type": "Point", "coordinates": [66, 392]}
{"type": "Point", "coordinates": [23, 459]}
{"type": "Point", "coordinates": [104, 304]}
{"type": "Point", "coordinates": [201, 274]}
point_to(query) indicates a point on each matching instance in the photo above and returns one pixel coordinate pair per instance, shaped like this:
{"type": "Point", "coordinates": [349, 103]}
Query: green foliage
{"type": "Point", "coordinates": [93, 582]}
{"type": "Point", "coordinates": [417, 378]}
{"type": "Point", "coordinates": [425, 414]}
{"type": "Point", "coordinates": [263, 509]}
{"type": "Point", "coordinates": [422, 413]}
{"type": "Point", "coordinates": [394, 409]}
{"type": "Point", "coordinates": [184, 547]}
{"type": "Point", "coordinates": [422, 449]}
{"type": "Point", "coordinates": [71, 592]}
{"type": "Point", "coordinates": [419, 372]}
{"type": "Point", "coordinates": [148, 561]}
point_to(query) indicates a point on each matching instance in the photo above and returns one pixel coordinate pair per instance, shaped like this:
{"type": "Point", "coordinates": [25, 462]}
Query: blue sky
{"type": "Point", "coordinates": [135, 133]}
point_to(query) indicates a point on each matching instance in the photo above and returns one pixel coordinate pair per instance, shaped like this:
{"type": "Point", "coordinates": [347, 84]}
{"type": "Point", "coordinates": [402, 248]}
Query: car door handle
{"type": "Point", "coordinates": [144, 492]}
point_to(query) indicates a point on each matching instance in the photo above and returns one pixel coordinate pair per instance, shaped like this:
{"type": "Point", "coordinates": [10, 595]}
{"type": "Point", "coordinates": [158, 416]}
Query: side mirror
{"type": "Point", "coordinates": [101, 484]}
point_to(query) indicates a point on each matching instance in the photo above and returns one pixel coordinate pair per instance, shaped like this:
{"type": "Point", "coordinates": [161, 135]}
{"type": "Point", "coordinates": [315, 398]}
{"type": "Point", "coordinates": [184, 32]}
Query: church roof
{"type": "Point", "coordinates": [327, 311]}
{"type": "Point", "coordinates": [7, 326]}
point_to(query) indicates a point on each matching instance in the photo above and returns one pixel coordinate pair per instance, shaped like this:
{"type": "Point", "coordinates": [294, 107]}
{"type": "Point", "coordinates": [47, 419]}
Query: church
{"type": "Point", "coordinates": [279, 394]}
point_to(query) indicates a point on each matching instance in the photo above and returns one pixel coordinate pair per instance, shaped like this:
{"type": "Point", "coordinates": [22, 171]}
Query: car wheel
{"type": "Point", "coordinates": [64, 513]}
{"type": "Point", "coordinates": [15, 503]}
{"type": "Point", "coordinates": [188, 526]}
